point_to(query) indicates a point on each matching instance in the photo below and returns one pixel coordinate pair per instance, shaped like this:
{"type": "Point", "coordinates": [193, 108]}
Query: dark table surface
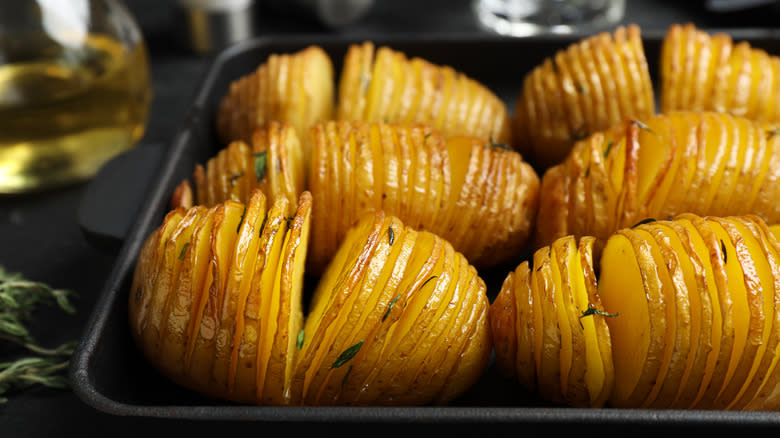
{"type": "Point", "coordinates": [41, 238]}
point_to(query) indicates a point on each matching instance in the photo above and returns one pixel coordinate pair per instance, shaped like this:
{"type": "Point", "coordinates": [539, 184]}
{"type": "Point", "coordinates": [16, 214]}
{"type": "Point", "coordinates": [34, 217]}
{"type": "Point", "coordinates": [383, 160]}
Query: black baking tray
{"type": "Point", "coordinates": [109, 374]}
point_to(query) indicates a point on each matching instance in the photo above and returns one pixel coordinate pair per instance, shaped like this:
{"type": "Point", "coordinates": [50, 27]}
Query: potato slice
{"type": "Point", "coordinates": [204, 342]}
{"type": "Point", "coordinates": [166, 281]}
{"type": "Point", "coordinates": [744, 315]}
{"type": "Point", "coordinates": [237, 288]}
{"type": "Point", "coordinates": [147, 270]}
{"type": "Point", "coordinates": [187, 294]}
{"type": "Point", "coordinates": [719, 277]}
{"type": "Point", "coordinates": [442, 94]}
{"type": "Point", "coordinates": [600, 370]}
{"type": "Point", "coordinates": [289, 314]}
{"type": "Point", "coordinates": [272, 243]}
{"type": "Point", "coordinates": [677, 292]}
{"type": "Point", "coordinates": [635, 333]}
{"type": "Point", "coordinates": [688, 273]}
{"type": "Point", "coordinates": [758, 298]}
{"type": "Point", "coordinates": [769, 273]}
{"type": "Point", "coordinates": [513, 347]}
{"type": "Point", "coordinates": [664, 307]}
{"type": "Point", "coordinates": [549, 363]}
{"type": "Point", "coordinates": [293, 88]}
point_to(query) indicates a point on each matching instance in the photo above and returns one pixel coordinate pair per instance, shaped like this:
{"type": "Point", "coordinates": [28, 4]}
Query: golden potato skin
{"type": "Point", "coordinates": [702, 163]}
{"type": "Point", "coordinates": [479, 196]}
{"type": "Point", "coordinates": [591, 86]}
{"type": "Point", "coordinates": [296, 88]}
{"type": "Point", "coordinates": [384, 85]}
{"type": "Point", "coordinates": [703, 72]}
{"type": "Point", "coordinates": [686, 311]}
{"type": "Point", "coordinates": [216, 305]}
{"type": "Point", "coordinates": [527, 319]}
{"type": "Point", "coordinates": [200, 286]}
{"type": "Point", "coordinates": [272, 162]}
{"type": "Point", "coordinates": [412, 312]}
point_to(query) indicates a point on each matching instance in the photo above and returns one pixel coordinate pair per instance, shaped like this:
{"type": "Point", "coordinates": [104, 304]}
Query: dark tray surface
{"type": "Point", "coordinates": [109, 374]}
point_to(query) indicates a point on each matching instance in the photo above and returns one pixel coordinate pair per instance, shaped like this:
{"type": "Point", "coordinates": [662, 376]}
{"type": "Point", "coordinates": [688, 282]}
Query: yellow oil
{"type": "Point", "coordinates": [62, 117]}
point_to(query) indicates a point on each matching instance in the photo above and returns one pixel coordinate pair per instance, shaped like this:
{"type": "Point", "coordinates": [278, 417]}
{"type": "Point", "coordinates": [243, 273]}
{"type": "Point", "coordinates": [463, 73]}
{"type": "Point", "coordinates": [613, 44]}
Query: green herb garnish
{"type": "Point", "coordinates": [344, 380]}
{"type": "Point", "coordinates": [594, 311]}
{"type": "Point", "coordinates": [390, 235]}
{"type": "Point", "coordinates": [241, 221]}
{"type": "Point", "coordinates": [609, 148]}
{"type": "Point", "coordinates": [497, 145]}
{"type": "Point", "coordinates": [643, 126]}
{"type": "Point", "coordinates": [389, 307]}
{"type": "Point", "coordinates": [261, 164]}
{"type": "Point", "coordinates": [18, 300]}
{"type": "Point", "coordinates": [184, 251]}
{"type": "Point", "coordinates": [299, 340]}
{"type": "Point", "coordinates": [347, 355]}
{"type": "Point", "coordinates": [723, 251]}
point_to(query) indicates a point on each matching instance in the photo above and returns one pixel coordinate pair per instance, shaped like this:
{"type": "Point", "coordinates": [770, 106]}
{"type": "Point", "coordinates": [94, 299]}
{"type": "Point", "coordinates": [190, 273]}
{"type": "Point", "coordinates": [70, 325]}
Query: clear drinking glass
{"type": "Point", "coordinates": [531, 17]}
{"type": "Point", "coordinates": [74, 90]}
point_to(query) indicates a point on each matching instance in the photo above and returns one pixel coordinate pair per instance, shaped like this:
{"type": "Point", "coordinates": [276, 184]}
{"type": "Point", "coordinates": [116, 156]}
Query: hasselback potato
{"type": "Point", "coordinates": [683, 162]}
{"type": "Point", "coordinates": [479, 196]}
{"type": "Point", "coordinates": [384, 85]}
{"type": "Point", "coordinates": [691, 306]}
{"type": "Point", "coordinates": [273, 163]}
{"type": "Point", "coordinates": [296, 88]}
{"type": "Point", "coordinates": [591, 86]}
{"type": "Point", "coordinates": [216, 305]}
{"type": "Point", "coordinates": [703, 72]}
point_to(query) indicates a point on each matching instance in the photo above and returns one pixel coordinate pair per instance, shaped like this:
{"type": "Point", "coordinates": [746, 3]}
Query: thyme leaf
{"type": "Point", "coordinates": [723, 251]}
{"type": "Point", "coordinates": [643, 126]}
{"type": "Point", "coordinates": [183, 252]}
{"type": "Point", "coordinates": [346, 355]}
{"type": "Point", "coordinates": [390, 235]}
{"type": "Point", "coordinates": [344, 380]}
{"type": "Point", "coordinates": [261, 164]}
{"type": "Point", "coordinates": [299, 340]}
{"type": "Point", "coordinates": [609, 148]}
{"type": "Point", "coordinates": [19, 298]}
{"type": "Point", "coordinates": [390, 306]}
{"type": "Point", "coordinates": [594, 311]}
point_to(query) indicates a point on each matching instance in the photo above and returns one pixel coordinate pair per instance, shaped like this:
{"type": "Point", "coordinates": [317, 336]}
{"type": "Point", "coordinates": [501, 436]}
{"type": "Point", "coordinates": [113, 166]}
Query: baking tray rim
{"type": "Point", "coordinates": [85, 390]}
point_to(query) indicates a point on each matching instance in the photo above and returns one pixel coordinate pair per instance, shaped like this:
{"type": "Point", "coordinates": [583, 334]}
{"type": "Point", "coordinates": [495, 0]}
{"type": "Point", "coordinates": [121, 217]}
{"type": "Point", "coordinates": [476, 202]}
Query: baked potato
{"type": "Point", "coordinates": [481, 197]}
{"type": "Point", "coordinates": [682, 162]}
{"type": "Point", "coordinates": [296, 88]}
{"type": "Point", "coordinates": [217, 305]}
{"type": "Point", "coordinates": [384, 85]}
{"type": "Point", "coordinates": [703, 72]}
{"type": "Point", "coordinates": [591, 86]}
{"type": "Point", "coordinates": [273, 162]}
{"type": "Point", "coordinates": [682, 314]}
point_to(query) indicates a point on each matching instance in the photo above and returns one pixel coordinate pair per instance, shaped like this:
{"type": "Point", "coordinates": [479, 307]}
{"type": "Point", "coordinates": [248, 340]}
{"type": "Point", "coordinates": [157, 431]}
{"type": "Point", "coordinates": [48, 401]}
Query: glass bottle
{"type": "Point", "coordinates": [74, 90]}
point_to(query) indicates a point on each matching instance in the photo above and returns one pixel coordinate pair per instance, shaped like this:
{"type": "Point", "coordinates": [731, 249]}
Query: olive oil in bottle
{"type": "Point", "coordinates": [63, 115]}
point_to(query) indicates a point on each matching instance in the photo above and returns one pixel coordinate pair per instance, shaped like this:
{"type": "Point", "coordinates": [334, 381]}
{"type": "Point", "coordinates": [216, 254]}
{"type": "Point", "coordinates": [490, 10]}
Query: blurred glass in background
{"type": "Point", "coordinates": [74, 90]}
{"type": "Point", "coordinates": [533, 17]}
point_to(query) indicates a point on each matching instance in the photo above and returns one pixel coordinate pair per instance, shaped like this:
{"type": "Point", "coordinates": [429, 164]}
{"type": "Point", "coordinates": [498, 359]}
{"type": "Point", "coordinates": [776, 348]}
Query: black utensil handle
{"type": "Point", "coordinates": [115, 195]}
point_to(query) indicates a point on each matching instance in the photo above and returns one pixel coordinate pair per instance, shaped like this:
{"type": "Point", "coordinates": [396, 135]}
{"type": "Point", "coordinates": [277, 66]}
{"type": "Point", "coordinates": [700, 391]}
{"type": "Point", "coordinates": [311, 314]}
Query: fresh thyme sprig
{"type": "Point", "coordinates": [19, 298]}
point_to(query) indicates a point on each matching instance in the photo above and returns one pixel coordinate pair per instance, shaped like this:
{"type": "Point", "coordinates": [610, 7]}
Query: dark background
{"type": "Point", "coordinates": [41, 238]}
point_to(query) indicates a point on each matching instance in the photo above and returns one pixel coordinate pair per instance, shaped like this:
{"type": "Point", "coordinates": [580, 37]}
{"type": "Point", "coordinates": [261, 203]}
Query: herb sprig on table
{"type": "Point", "coordinates": [19, 298]}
